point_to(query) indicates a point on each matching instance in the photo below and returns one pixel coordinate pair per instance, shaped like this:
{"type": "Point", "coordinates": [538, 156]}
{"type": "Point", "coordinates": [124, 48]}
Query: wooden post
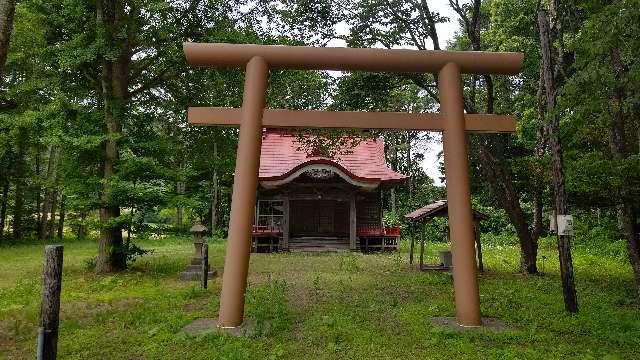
{"type": "Point", "coordinates": [50, 303]}
{"type": "Point", "coordinates": [422, 247]}
{"type": "Point", "coordinates": [243, 199]}
{"type": "Point", "coordinates": [352, 223]}
{"type": "Point", "coordinates": [456, 168]}
{"type": "Point", "coordinates": [413, 239]}
{"type": "Point", "coordinates": [204, 278]}
{"type": "Point", "coordinates": [285, 224]}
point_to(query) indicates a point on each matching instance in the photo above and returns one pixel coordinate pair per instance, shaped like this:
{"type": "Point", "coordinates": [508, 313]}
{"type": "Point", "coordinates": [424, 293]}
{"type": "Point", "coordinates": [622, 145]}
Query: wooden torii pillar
{"type": "Point", "coordinates": [252, 117]}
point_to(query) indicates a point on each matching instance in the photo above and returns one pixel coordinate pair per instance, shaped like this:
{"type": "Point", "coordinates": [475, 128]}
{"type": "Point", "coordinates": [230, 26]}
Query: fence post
{"type": "Point", "coordinates": [50, 303]}
{"type": "Point", "coordinates": [205, 265]}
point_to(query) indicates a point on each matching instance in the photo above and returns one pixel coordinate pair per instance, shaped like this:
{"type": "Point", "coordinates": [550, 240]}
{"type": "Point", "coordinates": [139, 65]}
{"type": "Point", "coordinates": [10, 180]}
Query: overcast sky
{"type": "Point", "coordinates": [446, 31]}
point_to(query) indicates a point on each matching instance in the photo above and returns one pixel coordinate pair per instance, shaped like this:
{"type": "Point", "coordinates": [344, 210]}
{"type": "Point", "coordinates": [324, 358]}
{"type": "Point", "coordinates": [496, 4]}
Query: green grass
{"type": "Point", "coordinates": [326, 306]}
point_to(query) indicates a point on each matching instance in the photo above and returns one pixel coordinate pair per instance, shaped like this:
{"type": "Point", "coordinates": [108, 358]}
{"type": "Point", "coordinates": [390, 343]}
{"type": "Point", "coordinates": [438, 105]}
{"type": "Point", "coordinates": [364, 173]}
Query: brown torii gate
{"type": "Point", "coordinates": [252, 117]}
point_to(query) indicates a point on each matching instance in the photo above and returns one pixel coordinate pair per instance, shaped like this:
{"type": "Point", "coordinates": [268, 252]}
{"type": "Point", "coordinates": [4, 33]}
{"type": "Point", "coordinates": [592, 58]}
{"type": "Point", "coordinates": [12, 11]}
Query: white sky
{"type": "Point", "coordinates": [446, 32]}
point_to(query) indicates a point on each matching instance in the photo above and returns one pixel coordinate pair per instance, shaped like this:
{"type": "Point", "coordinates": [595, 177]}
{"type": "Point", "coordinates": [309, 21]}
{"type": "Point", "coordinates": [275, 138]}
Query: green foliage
{"type": "Point", "coordinates": [131, 251]}
{"type": "Point", "coordinates": [390, 218]}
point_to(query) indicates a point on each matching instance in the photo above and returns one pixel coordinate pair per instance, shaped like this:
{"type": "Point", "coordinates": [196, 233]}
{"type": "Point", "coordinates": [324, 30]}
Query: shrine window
{"type": "Point", "coordinates": [270, 214]}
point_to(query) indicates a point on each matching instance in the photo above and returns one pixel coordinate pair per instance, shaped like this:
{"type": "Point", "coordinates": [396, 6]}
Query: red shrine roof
{"type": "Point", "coordinates": [281, 157]}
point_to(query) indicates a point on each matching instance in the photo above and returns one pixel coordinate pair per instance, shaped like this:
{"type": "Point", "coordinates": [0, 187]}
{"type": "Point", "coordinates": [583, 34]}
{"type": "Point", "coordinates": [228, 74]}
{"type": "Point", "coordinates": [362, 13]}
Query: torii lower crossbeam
{"type": "Point", "coordinates": [282, 118]}
{"type": "Point", "coordinates": [451, 120]}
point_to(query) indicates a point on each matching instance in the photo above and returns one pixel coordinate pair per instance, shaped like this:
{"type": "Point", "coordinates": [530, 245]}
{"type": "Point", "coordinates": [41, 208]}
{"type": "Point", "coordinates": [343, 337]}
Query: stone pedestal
{"type": "Point", "coordinates": [445, 259]}
{"type": "Point", "coordinates": [194, 270]}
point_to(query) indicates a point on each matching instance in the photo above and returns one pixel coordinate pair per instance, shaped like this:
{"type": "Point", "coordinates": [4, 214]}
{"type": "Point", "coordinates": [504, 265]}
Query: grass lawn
{"type": "Point", "coordinates": [326, 306]}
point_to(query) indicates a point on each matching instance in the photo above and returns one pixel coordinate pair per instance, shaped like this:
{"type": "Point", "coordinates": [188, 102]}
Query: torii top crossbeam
{"type": "Point", "coordinates": [347, 59]}
{"type": "Point", "coordinates": [258, 59]}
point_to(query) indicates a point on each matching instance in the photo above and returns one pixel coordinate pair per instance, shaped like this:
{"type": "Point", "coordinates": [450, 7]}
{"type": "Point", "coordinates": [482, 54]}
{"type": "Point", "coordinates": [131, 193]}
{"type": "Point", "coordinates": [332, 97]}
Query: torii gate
{"type": "Point", "coordinates": [252, 117]}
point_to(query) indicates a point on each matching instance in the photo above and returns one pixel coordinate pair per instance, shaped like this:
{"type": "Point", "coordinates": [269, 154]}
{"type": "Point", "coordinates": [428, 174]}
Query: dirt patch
{"type": "Point", "coordinates": [488, 324]}
{"type": "Point", "coordinates": [208, 325]}
{"type": "Point", "coordinates": [12, 349]}
{"type": "Point", "coordinates": [197, 306]}
{"type": "Point", "coordinates": [83, 312]}
{"type": "Point", "coordinates": [126, 303]}
{"type": "Point", "coordinates": [299, 296]}
{"type": "Point", "coordinates": [258, 278]}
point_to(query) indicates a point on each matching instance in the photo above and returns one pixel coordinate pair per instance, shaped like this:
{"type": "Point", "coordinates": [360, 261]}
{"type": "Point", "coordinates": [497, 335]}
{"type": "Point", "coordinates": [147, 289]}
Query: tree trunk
{"type": "Point", "coordinates": [498, 175]}
{"type": "Point", "coordinates": [629, 216]}
{"type": "Point", "coordinates": [129, 229]}
{"type": "Point", "coordinates": [179, 215]}
{"type": "Point", "coordinates": [60, 231]}
{"type": "Point", "coordinates": [50, 301]}
{"type": "Point", "coordinates": [180, 189]}
{"type": "Point", "coordinates": [82, 229]}
{"type": "Point", "coordinates": [555, 147]}
{"type": "Point", "coordinates": [409, 165]}
{"type": "Point", "coordinates": [541, 150]}
{"type": "Point", "coordinates": [52, 220]}
{"type": "Point", "coordinates": [394, 166]}
{"type": "Point", "coordinates": [621, 146]}
{"type": "Point", "coordinates": [38, 190]}
{"type": "Point", "coordinates": [49, 186]}
{"type": "Point", "coordinates": [19, 172]}
{"type": "Point", "coordinates": [495, 171]}
{"type": "Point", "coordinates": [7, 11]}
{"type": "Point", "coordinates": [3, 205]}
{"type": "Point", "coordinates": [114, 81]}
{"type": "Point", "coordinates": [392, 199]}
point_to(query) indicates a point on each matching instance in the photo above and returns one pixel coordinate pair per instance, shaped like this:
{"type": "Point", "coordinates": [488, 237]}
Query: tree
{"type": "Point", "coordinates": [414, 24]}
{"type": "Point", "coordinates": [490, 151]}
{"type": "Point", "coordinates": [601, 92]}
{"type": "Point", "coordinates": [560, 195]}
{"type": "Point", "coordinates": [7, 11]}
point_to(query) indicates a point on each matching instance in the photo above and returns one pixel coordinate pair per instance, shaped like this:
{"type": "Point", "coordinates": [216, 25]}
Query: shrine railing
{"type": "Point", "coordinates": [387, 231]}
{"type": "Point", "coordinates": [258, 230]}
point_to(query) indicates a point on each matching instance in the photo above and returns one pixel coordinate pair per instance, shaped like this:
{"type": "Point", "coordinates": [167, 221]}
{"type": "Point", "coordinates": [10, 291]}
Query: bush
{"type": "Point", "coordinates": [131, 251]}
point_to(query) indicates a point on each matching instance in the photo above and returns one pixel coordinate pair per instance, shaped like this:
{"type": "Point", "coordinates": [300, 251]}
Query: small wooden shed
{"type": "Point", "coordinates": [439, 209]}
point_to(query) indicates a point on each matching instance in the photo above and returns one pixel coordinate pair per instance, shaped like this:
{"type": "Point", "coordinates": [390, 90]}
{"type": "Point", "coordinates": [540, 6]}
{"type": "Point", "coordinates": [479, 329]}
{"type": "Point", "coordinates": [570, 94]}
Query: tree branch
{"type": "Point", "coordinates": [153, 82]}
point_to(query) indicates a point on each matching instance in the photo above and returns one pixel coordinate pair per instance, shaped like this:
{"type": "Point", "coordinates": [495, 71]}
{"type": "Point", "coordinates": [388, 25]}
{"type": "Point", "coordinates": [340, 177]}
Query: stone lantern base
{"type": "Point", "coordinates": [194, 270]}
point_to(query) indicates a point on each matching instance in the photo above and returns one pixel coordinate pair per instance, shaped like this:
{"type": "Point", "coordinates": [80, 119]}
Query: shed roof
{"type": "Point", "coordinates": [282, 155]}
{"type": "Point", "coordinates": [437, 208]}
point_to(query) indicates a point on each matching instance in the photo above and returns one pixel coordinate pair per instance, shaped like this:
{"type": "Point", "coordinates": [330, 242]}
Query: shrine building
{"type": "Point", "coordinates": [307, 202]}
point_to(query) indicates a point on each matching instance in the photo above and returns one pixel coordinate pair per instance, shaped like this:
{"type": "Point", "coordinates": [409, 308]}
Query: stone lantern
{"type": "Point", "coordinates": [194, 270]}
{"type": "Point", "coordinates": [198, 238]}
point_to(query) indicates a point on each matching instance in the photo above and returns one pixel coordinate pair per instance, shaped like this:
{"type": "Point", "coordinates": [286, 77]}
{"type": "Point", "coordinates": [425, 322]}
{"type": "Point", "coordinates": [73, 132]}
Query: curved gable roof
{"type": "Point", "coordinates": [281, 157]}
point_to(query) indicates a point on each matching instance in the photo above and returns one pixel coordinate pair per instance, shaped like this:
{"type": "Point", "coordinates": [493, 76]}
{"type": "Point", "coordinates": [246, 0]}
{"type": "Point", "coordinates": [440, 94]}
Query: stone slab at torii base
{"type": "Point", "coordinates": [252, 117]}
{"type": "Point", "coordinates": [208, 325]}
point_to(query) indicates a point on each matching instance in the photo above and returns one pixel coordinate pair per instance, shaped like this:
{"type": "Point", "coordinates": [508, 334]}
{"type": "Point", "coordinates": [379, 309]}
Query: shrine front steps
{"type": "Point", "coordinates": [318, 244]}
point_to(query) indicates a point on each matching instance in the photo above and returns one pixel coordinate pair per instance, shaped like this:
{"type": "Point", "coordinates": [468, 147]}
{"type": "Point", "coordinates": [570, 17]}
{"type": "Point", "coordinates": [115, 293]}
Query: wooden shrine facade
{"type": "Point", "coordinates": [314, 203]}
